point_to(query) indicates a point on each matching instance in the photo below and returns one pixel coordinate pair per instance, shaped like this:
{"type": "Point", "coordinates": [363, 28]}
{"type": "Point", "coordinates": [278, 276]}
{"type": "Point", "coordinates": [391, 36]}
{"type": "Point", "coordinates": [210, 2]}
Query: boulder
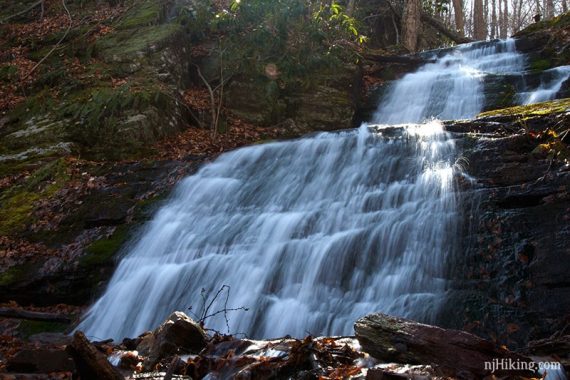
{"type": "Point", "coordinates": [179, 334]}
{"type": "Point", "coordinates": [457, 353]}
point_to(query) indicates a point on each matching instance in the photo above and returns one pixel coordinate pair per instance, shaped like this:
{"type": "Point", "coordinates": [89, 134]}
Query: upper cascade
{"type": "Point", "coordinates": [452, 86]}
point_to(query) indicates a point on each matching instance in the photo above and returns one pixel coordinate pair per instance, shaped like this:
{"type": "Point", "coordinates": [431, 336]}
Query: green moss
{"type": "Point", "coordinates": [16, 211]}
{"type": "Point", "coordinates": [98, 113]}
{"type": "Point", "coordinates": [541, 64]}
{"type": "Point", "coordinates": [127, 44]}
{"type": "Point", "coordinates": [17, 204]}
{"type": "Point", "coordinates": [29, 328]}
{"type": "Point", "coordinates": [558, 22]}
{"type": "Point", "coordinates": [55, 172]}
{"type": "Point", "coordinates": [102, 251]}
{"type": "Point", "coordinates": [39, 103]}
{"type": "Point", "coordinates": [538, 109]}
{"type": "Point", "coordinates": [15, 274]}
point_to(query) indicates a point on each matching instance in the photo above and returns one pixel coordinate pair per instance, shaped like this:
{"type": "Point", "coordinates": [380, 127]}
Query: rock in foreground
{"type": "Point", "coordinates": [178, 334]}
{"type": "Point", "coordinates": [457, 353]}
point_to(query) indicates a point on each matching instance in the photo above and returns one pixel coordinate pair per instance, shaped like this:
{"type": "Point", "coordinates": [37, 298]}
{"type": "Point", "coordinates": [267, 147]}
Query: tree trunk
{"type": "Point", "coordinates": [538, 10]}
{"type": "Point", "coordinates": [459, 20]}
{"type": "Point", "coordinates": [494, 20]}
{"type": "Point", "coordinates": [438, 25]}
{"type": "Point", "coordinates": [479, 29]}
{"type": "Point", "coordinates": [411, 24]}
{"type": "Point", "coordinates": [505, 19]}
{"type": "Point", "coordinates": [549, 9]}
{"type": "Point", "coordinates": [564, 6]}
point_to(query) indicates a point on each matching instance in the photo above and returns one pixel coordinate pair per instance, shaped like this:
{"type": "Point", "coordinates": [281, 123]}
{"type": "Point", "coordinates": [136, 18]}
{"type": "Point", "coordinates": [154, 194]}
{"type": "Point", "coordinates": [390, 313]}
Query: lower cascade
{"type": "Point", "coordinates": [311, 234]}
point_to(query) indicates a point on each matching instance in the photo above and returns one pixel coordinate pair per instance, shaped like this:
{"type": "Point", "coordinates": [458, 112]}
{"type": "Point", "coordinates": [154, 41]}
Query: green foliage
{"type": "Point", "coordinates": [333, 19]}
{"type": "Point", "coordinates": [299, 37]}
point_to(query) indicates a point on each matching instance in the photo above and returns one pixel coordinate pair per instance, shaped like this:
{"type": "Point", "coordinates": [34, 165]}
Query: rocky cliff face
{"type": "Point", "coordinates": [510, 277]}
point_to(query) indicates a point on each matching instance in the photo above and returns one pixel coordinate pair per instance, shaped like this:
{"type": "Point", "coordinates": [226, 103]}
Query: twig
{"type": "Point", "coordinates": [56, 45]}
{"type": "Point", "coordinates": [212, 97]}
{"type": "Point", "coordinates": [221, 91]}
{"type": "Point", "coordinates": [205, 314]}
{"type": "Point", "coordinates": [22, 12]}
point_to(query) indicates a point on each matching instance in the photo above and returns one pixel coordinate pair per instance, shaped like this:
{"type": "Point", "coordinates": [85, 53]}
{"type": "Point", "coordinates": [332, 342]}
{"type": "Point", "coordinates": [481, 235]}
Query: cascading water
{"type": "Point", "coordinates": [452, 86]}
{"type": "Point", "coordinates": [309, 235]}
{"type": "Point", "coordinates": [313, 233]}
{"type": "Point", "coordinates": [551, 82]}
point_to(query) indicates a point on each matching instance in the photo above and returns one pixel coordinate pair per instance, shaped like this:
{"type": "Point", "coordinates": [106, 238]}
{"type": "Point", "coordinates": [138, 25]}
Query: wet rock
{"type": "Point", "coordinates": [109, 211]}
{"type": "Point", "coordinates": [555, 347]}
{"type": "Point", "coordinates": [41, 361]}
{"type": "Point", "coordinates": [403, 341]}
{"type": "Point", "coordinates": [509, 281]}
{"type": "Point", "coordinates": [328, 102]}
{"type": "Point", "coordinates": [179, 334]}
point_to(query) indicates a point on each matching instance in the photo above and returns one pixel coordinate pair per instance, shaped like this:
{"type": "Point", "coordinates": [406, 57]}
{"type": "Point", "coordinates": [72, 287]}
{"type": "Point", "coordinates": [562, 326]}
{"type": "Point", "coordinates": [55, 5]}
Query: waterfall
{"type": "Point", "coordinates": [452, 86]}
{"type": "Point", "coordinates": [551, 83]}
{"type": "Point", "coordinates": [313, 233]}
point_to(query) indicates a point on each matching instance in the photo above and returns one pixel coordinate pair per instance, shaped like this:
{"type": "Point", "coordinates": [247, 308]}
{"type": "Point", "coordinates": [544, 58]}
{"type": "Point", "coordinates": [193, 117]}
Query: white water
{"type": "Point", "coordinates": [551, 83]}
{"type": "Point", "coordinates": [309, 235]}
{"type": "Point", "coordinates": [314, 233]}
{"type": "Point", "coordinates": [452, 86]}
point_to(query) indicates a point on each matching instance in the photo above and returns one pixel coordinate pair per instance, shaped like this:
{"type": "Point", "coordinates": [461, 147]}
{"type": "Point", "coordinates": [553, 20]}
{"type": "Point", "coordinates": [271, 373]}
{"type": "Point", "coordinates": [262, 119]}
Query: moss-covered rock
{"type": "Point", "coordinates": [539, 109]}
{"type": "Point", "coordinates": [17, 203]}
{"type": "Point", "coordinates": [101, 252]}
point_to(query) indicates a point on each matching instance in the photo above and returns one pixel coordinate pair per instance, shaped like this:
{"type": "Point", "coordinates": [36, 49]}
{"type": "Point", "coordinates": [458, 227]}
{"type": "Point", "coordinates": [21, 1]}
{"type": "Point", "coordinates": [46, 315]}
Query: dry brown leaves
{"type": "Point", "coordinates": [370, 81]}
{"type": "Point", "coordinates": [10, 93]}
{"type": "Point", "coordinates": [21, 33]}
{"type": "Point", "coordinates": [9, 346]}
{"type": "Point", "coordinates": [63, 309]}
{"type": "Point", "coordinates": [14, 251]}
{"type": "Point", "coordinates": [195, 141]}
{"type": "Point", "coordinates": [56, 20]}
{"type": "Point", "coordinates": [197, 98]}
{"type": "Point", "coordinates": [21, 36]}
{"type": "Point", "coordinates": [199, 51]}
